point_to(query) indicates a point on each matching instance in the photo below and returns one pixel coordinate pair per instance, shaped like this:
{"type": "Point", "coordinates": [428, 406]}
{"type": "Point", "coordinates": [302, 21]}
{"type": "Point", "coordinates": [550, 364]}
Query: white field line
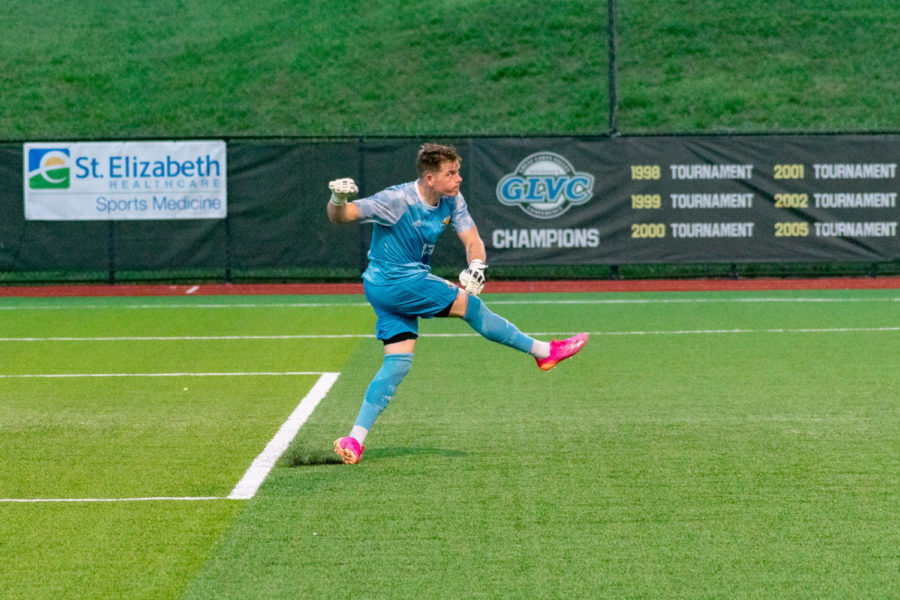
{"type": "Point", "coordinates": [159, 338]}
{"type": "Point", "coordinates": [560, 301]}
{"type": "Point", "coordinates": [146, 499]}
{"type": "Point", "coordinates": [65, 375]}
{"type": "Point", "coordinates": [771, 330]}
{"type": "Point", "coordinates": [694, 300]}
{"type": "Point", "coordinates": [259, 469]}
{"type": "Point", "coordinates": [184, 305]}
{"type": "Point", "coordinates": [425, 335]}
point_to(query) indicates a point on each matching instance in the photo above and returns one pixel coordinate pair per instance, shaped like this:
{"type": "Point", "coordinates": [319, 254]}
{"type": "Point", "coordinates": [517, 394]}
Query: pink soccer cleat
{"type": "Point", "coordinates": [349, 449]}
{"type": "Point", "coordinates": [561, 350]}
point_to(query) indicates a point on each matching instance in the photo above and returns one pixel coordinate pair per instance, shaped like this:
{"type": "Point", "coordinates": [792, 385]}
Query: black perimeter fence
{"type": "Point", "coordinates": [547, 208]}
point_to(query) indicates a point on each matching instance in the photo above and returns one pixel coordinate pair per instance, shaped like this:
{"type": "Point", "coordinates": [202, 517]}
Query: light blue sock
{"type": "Point", "coordinates": [494, 327]}
{"type": "Point", "coordinates": [382, 387]}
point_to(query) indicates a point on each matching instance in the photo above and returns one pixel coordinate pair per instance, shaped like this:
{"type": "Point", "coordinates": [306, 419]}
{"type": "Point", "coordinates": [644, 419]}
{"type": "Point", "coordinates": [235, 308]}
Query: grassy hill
{"type": "Point", "coordinates": [771, 65]}
{"type": "Point", "coordinates": [285, 68]}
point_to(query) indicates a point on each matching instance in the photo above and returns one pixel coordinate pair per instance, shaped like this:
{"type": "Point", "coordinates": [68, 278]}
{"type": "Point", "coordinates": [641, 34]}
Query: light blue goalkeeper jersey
{"type": "Point", "coordinates": [406, 230]}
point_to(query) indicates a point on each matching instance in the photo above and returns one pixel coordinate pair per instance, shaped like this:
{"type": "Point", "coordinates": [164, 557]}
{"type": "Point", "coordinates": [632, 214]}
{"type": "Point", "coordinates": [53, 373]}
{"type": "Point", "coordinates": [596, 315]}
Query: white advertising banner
{"type": "Point", "coordinates": [122, 181]}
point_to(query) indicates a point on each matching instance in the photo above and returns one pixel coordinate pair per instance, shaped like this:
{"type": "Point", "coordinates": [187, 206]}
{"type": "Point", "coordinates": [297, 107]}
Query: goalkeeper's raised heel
{"type": "Point", "coordinates": [560, 350]}
{"type": "Point", "coordinates": [349, 449]}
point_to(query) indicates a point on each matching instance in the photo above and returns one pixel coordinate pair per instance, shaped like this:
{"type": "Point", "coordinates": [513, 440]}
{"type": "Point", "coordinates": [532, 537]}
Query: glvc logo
{"type": "Point", "coordinates": [545, 185]}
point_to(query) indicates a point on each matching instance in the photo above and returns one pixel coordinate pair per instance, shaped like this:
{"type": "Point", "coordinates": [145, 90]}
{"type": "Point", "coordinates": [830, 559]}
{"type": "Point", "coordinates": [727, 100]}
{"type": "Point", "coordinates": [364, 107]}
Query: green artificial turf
{"type": "Point", "coordinates": [703, 445]}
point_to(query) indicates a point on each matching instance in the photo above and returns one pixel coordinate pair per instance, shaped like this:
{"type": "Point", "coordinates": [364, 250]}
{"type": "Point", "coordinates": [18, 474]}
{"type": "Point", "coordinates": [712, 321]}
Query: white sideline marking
{"type": "Point", "coordinates": [248, 485]}
{"type": "Point", "coordinates": [158, 338]}
{"type": "Point", "coordinates": [490, 302]}
{"type": "Point", "coordinates": [368, 335]}
{"type": "Point", "coordinates": [147, 499]}
{"type": "Point", "coordinates": [691, 300]}
{"type": "Point", "coordinates": [63, 375]}
{"type": "Point", "coordinates": [259, 469]}
{"type": "Point", "coordinates": [185, 305]}
{"type": "Point", "coordinates": [720, 331]}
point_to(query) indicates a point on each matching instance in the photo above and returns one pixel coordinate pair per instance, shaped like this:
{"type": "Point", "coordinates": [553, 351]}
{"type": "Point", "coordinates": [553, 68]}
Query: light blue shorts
{"type": "Point", "coordinates": [399, 305]}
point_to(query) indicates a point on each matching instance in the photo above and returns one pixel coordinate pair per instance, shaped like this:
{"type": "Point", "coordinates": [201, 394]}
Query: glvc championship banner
{"type": "Point", "coordinates": [102, 181]}
{"type": "Point", "coordinates": [687, 199]}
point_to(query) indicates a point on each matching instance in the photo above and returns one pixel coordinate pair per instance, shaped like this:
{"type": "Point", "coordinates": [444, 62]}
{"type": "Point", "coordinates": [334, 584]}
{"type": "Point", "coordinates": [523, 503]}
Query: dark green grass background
{"type": "Point", "coordinates": [454, 67]}
{"type": "Point", "coordinates": [661, 462]}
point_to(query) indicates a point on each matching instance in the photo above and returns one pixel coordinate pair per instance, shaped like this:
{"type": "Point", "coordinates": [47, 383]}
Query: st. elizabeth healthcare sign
{"type": "Point", "coordinates": [120, 181]}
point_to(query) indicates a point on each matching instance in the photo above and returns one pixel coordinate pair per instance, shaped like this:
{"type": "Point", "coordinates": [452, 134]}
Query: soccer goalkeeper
{"type": "Point", "coordinates": [398, 283]}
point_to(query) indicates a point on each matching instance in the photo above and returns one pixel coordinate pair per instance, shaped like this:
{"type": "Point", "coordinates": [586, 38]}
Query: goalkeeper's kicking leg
{"type": "Point", "coordinates": [497, 329]}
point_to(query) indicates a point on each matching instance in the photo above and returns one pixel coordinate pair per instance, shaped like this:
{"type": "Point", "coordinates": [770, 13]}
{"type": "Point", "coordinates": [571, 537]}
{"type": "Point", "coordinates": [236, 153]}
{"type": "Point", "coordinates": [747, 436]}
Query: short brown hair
{"type": "Point", "coordinates": [432, 156]}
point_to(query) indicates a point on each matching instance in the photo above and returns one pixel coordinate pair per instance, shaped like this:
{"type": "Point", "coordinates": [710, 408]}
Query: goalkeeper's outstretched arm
{"type": "Point", "coordinates": [340, 208]}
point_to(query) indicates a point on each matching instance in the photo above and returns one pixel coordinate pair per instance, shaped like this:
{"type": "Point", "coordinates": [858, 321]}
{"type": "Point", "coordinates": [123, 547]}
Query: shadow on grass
{"type": "Point", "coordinates": [304, 457]}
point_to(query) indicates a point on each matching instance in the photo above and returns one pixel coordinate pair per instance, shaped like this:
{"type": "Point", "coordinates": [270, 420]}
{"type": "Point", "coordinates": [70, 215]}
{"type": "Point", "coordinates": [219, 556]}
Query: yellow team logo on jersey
{"type": "Point", "coordinates": [446, 221]}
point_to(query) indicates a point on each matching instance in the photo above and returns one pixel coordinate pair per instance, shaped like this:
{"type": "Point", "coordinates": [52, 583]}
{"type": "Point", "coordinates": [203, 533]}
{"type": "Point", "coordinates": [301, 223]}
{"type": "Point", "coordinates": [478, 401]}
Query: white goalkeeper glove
{"type": "Point", "coordinates": [342, 190]}
{"type": "Point", "coordinates": [472, 279]}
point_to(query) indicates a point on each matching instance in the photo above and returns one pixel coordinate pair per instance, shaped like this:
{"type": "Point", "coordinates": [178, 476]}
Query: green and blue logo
{"type": "Point", "coordinates": [48, 168]}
